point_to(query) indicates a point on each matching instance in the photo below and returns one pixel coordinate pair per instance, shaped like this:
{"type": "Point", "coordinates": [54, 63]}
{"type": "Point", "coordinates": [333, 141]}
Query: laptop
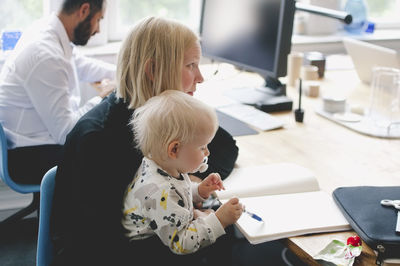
{"type": "Point", "coordinates": [366, 56]}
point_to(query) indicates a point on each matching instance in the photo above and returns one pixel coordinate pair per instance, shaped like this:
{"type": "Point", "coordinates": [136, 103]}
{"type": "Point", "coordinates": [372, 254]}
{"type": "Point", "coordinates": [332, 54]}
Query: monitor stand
{"type": "Point", "coordinates": [269, 98]}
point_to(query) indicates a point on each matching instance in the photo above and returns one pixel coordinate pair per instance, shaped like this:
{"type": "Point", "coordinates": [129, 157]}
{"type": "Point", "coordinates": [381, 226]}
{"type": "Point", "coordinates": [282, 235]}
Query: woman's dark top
{"type": "Point", "coordinates": [99, 161]}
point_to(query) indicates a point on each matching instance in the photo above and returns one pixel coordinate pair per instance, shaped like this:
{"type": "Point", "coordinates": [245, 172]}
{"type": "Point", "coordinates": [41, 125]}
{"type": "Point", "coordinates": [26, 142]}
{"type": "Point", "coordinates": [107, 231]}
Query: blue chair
{"type": "Point", "coordinates": [45, 250]}
{"type": "Point", "coordinates": [20, 188]}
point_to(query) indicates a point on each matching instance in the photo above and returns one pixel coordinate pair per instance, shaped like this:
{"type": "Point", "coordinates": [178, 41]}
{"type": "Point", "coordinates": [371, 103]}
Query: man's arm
{"type": "Point", "coordinates": [93, 70]}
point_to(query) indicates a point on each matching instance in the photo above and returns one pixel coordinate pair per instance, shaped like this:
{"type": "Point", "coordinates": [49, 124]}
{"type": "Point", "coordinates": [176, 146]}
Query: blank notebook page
{"type": "Point", "coordinates": [289, 215]}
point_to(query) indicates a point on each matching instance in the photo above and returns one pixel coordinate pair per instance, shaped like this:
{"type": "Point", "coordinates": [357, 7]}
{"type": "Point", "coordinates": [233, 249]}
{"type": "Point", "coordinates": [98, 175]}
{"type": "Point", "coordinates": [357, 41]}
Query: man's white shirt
{"type": "Point", "coordinates": [39, 86]}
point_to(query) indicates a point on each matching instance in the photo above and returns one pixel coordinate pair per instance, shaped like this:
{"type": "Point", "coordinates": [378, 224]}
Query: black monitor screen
{"type": "Point", "coordinates": [251, 34]}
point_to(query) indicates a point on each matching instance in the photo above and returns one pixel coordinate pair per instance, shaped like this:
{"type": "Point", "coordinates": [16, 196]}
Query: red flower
{"type": "Point", "coordinates": [355, 241]}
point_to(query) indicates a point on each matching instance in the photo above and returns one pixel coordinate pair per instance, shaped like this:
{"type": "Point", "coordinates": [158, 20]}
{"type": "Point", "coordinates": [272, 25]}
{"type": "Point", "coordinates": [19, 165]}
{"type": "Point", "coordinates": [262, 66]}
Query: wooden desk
{"type": "Point", "coordinates": [337, 155]}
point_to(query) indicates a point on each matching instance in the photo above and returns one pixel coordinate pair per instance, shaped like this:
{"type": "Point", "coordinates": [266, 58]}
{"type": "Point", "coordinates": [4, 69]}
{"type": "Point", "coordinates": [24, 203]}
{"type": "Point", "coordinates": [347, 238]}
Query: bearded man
{"type": "Point", "coordinates": [40, 98]}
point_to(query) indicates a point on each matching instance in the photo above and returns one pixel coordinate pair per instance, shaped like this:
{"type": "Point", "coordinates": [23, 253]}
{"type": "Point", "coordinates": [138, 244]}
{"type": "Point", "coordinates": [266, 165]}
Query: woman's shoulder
{"type": "Point", "coordinates": [111, 114]}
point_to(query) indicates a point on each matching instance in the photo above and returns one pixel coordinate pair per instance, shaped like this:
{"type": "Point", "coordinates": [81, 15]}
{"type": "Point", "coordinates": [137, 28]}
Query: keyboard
{"type": "Point", "coordinates": [234, 126]}
{"type": "Point", "coordinates": [252, 116]}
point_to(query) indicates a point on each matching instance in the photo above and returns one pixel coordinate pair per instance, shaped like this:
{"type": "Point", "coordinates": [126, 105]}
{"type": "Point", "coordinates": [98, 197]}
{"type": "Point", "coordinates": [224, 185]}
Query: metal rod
{"type": "Point", "coordinates": [340, 15]}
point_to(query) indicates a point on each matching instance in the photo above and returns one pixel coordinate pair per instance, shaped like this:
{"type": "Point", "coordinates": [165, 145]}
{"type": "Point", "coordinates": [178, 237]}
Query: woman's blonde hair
{"type": "Point", "coordinates": [171, 116]}
{"type": "Point", "coordinates": [156, 45]}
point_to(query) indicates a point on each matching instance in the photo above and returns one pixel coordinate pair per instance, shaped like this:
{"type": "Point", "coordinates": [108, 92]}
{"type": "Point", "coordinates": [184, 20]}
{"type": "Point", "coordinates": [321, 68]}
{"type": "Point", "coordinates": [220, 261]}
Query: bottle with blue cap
{"type": "Point", "coordinates": [359, 12]}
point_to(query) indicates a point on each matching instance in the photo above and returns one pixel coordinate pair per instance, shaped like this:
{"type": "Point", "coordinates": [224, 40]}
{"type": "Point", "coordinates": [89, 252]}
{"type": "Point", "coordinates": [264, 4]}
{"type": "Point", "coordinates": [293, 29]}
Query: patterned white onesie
{"type": "Point", "coordinates": [156, 203]}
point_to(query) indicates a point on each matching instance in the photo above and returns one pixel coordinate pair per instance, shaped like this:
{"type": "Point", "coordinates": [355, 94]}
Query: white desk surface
{"type": "Point", "coordinates": [338, 156]}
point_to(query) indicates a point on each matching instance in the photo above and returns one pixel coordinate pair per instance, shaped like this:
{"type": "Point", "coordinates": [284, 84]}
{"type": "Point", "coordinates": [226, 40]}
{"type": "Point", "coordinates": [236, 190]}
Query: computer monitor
{"type": "Point", "coordinates": [254, 35]}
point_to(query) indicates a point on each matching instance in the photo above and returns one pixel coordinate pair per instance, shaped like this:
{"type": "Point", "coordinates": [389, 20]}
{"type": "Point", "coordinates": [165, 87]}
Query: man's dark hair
{"type": "Point", "coordinates": [70, 6]}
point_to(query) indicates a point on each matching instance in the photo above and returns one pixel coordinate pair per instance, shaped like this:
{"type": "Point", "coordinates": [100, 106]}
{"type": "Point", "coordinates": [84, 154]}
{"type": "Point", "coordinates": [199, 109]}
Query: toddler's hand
{"type": "Point", "coordinates": [229, 212]}
{"type": "Point", "coordinates": [211, 183]}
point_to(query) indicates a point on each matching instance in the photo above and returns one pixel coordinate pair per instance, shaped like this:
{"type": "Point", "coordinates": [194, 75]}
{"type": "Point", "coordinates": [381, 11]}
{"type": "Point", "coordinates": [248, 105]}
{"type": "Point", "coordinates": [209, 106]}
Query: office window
{"type": "Point", "coordinates": [384, 13]}
{"type": "Point", "coordinates": [186, 11]}
{"type": "Point", "coordinates": [133, 10]}
{"type": "Point", "coordinates": [19, 13]}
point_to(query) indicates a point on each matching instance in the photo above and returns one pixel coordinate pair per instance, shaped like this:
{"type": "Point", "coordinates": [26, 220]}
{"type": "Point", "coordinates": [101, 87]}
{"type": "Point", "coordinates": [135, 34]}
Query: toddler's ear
{"type": "Point", "coordinates": [173, 149]}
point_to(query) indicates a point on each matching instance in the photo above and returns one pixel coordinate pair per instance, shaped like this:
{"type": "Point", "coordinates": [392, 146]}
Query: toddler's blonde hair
{"type": "Point", "coordinates": [171, 116]}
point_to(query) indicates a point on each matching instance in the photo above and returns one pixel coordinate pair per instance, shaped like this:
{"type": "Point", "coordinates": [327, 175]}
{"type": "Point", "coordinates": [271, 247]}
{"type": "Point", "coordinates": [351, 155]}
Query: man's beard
{"type": "Point", "coordinates": [83, 32]}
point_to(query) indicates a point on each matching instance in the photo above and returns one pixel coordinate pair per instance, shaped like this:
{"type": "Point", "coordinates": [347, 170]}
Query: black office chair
{"type": "Point", "coordinates": [20, 188]}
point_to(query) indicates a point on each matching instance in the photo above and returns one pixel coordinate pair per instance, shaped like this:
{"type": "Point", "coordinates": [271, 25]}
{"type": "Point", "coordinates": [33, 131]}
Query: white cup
{"type": "Point", "coordinates": [309, 72]}
{"type": "Point", "coordinates": [311, 88]}
{"type": "Point", "coordinates": [334, 104]}
{"type": "Point", "coordinates": [295, 61]}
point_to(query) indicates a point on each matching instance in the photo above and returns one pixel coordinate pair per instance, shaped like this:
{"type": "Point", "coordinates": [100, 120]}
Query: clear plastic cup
{"type": "Point", "coordinates": [384, 108]}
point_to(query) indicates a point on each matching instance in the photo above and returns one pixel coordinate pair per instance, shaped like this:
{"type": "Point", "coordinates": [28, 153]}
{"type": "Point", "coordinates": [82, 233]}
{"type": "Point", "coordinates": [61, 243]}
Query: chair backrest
{"type": "Point", "coordinates": [45, 250]}
{"type": "Point", "coordinates": [21, 188]}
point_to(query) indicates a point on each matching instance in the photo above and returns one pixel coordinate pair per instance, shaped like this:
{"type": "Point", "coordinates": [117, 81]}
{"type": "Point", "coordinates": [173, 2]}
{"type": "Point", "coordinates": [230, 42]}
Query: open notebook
{"type": "Point", "coordinates": [288, 199]}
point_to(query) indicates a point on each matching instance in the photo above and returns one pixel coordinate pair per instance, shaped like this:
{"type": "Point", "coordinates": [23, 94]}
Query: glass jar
{"type": "Point", "coordinates": [384, 108]}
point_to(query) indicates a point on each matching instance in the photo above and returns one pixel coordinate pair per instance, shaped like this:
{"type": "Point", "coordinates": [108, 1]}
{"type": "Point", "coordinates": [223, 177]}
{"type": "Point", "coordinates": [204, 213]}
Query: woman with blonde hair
{"type": "Point", "coordinates": [99, 157]}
